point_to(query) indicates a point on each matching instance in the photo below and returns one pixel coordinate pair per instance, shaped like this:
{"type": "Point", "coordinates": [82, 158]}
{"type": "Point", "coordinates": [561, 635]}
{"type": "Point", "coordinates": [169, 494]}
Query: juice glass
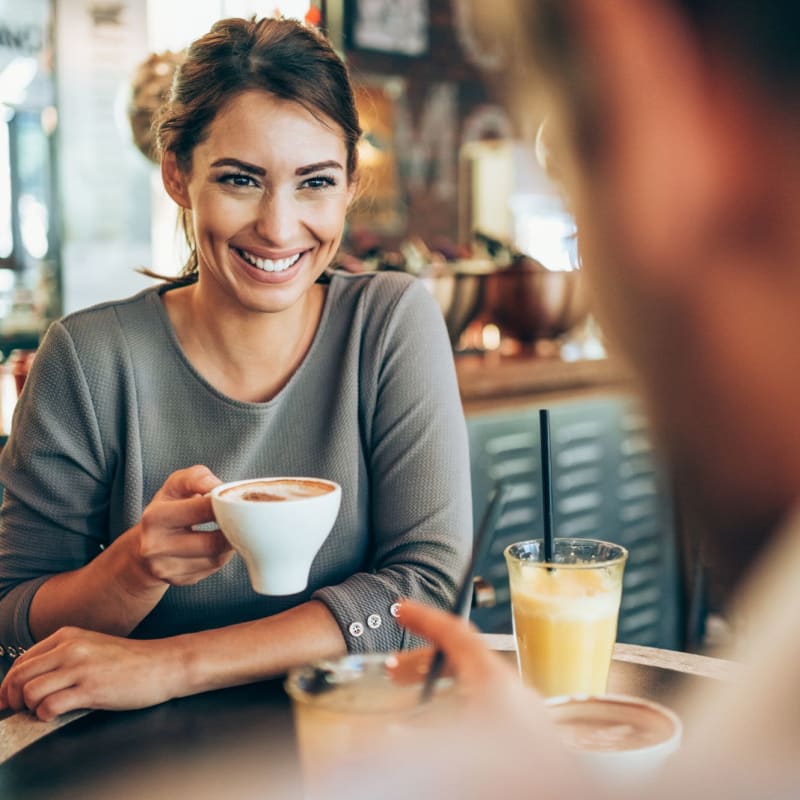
{"type": "Point", "coordinates": [565, 612]}
{"type": "Point", "coordinates": [346, 708]}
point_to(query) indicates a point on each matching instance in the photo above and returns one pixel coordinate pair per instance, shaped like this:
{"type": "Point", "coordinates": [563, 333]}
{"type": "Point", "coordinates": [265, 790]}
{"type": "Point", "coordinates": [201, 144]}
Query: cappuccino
{"type": "Point", "coordinates": [620, 739]}
{"type": "Point", "coordinates": [276, 491]}
{"type": "Point", "coordinates": [602, 725]}
{"type": "Point", "coordinates": [277, 525]}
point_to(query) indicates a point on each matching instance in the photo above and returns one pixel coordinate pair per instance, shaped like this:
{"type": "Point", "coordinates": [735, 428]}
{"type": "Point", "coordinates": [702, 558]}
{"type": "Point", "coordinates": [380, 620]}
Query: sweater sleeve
{"type": "Point", "coordinates": [421, 511]}
{"type": "Point", "coordinates": [52, 469]}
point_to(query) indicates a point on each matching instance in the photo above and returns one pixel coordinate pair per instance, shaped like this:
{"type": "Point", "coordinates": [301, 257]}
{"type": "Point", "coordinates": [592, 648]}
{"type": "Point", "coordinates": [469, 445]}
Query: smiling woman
{"type": "Point", "coordinates": [268, 192]}
{"type": "Point", "coordinates": [258, 360]}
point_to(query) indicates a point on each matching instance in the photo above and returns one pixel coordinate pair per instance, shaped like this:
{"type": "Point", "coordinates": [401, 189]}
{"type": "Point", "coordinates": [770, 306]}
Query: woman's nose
{"type": "Point", "coordinates": [277, 218]}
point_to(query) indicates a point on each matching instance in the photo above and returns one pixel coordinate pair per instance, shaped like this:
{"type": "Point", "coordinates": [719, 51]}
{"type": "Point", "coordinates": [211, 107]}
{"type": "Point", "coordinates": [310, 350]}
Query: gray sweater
{"type": "Point", "coordinates": [112, 407]}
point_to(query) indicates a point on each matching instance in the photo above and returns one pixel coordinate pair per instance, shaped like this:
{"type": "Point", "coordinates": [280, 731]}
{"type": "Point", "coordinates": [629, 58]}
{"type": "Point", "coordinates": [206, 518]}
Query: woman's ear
{"type": "Point", "coordinates": [174, 180]}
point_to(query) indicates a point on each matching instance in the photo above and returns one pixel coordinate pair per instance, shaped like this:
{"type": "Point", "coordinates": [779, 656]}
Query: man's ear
{"type": "Point", "coordinates": [675, 130]}
{"type": "Point", "coordinates": [174, 180]}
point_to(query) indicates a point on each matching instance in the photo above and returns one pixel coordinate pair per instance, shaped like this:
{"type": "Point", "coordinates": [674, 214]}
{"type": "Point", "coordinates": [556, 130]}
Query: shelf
{"type": "Point", "coordinates": [490, 380]}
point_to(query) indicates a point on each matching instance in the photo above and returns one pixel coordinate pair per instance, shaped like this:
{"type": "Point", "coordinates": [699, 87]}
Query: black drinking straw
{"type": "Point", "coordinates": [483, 540]}
{"type": "Point", "coordinates": [547, 483]}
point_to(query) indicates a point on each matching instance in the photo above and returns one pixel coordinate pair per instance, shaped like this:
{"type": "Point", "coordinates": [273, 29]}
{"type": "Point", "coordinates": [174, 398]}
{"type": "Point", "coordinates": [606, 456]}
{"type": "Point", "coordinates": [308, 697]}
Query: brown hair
{"type": "Point", "coordinates": [280, 56]}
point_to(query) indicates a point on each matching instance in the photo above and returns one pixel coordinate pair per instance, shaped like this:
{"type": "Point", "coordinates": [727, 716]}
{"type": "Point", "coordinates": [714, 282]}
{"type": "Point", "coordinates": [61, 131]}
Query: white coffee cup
{"type": "Point", "coordinates": [621, 740]}
{"type": "Point", "coordinates": [277, 525]}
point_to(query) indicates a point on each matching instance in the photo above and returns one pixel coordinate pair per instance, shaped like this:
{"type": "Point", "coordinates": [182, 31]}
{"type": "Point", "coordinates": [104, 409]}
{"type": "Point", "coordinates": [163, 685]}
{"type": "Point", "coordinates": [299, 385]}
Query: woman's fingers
{"type": "Point", "coordinates": [37, 691]}
{"type": "Point", "coordinates": [167, 546]}
{"type": "Point", "coordinates": [75, 669]}
{"type": "Point", "coordinates": [198, 479]}
{"type": "Point", "coordinates": [187, 571]}
{"type": "Point", "coordinates": [178, 513]}
{"type": "Point", "coordinates": [41, 660]}
{"type": "Point", "coordinates": [60, 702]}
{"type": "Point", "coordinates": [188, 544]}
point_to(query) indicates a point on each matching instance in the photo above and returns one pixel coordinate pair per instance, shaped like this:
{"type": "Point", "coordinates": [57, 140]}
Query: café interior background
{"type": "Point", "coordinates": [81, 207]}
{"type": "Point", "coordinates": [443, 158]}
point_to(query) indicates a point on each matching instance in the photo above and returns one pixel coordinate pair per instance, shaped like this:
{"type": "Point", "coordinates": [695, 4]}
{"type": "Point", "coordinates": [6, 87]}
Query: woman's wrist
{"type": "Point", "coordinates": [177, 673]}
{"type": "Point", "coordinates": [106, 596]}
{"type": "Point", "coordinates": [119, 592]}
{"type": "Point", "coordinates": [124, 560]}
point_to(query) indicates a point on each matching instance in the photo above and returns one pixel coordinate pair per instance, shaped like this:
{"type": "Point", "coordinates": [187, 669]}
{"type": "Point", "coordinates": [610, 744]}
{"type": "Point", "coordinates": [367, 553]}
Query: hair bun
{"type": "Point", "coordinates": [150, 88]}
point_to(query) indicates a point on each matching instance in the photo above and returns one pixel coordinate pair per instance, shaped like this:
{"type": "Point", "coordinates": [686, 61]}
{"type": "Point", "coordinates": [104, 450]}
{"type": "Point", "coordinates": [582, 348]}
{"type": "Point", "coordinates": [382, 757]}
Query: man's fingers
{"type": "Point", "coordinates": [443, 629]}
{"type": "Point", "coordinates": [476, 666]}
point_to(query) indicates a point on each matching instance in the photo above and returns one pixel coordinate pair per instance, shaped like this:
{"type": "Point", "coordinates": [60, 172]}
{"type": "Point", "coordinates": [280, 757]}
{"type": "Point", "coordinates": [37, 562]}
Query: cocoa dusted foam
{"type": "Point", "coordinates": [277, 491]}
{"type": "Point", "coordinates": [596, 725]}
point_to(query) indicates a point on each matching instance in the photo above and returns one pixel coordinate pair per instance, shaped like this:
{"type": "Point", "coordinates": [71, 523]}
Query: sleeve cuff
{"type": "Point", "coordinates": [366, 612]}
{"type": "Point", "coordinates": [15, 636]}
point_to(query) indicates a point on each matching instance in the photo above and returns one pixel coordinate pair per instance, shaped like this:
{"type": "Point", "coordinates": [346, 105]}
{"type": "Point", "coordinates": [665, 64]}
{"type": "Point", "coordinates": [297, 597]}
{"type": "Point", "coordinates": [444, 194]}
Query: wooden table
{"type": "Point", "coordinates": [208, 745]}
{"type": "Point", "coordinates": [649, 672]}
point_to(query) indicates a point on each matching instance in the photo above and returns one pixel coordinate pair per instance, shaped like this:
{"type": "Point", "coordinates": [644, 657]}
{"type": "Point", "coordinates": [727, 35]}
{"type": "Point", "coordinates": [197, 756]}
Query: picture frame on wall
{"type": "Point", "coordinates": [399, 27]}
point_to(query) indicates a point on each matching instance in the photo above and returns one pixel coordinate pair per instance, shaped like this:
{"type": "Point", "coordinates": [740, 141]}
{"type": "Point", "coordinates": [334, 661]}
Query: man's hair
{"type": "Point", "coordinates": [763, 34]}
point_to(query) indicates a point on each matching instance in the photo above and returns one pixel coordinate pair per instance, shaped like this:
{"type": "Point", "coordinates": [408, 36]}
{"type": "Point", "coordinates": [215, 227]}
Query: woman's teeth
{"type": "Point", "coordinates": [267, 264]}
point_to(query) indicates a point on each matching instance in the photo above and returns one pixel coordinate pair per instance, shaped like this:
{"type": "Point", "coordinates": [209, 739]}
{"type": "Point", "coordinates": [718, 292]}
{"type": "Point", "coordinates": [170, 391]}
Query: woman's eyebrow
{"type": "Point", "coordinates": [242, 165]}
{"type": "Point", "coordinates": [318, 166]}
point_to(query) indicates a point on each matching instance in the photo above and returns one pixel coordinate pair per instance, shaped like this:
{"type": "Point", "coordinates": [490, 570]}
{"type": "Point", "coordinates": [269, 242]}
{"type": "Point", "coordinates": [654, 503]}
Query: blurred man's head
{"type": "Point", "coordinates": [677, 130]}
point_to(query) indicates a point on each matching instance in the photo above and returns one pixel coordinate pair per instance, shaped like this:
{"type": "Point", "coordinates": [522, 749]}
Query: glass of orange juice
{"type": "Point", "coordinates": [565, 612]}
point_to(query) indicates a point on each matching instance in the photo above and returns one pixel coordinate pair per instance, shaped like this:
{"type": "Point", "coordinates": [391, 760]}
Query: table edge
{"type": "Point", "coordinates": [675, 660]}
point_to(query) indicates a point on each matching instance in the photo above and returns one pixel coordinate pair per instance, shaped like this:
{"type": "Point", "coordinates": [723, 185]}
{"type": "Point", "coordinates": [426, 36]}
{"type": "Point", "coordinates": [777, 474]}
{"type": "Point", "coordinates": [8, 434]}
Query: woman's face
{"type": "Point", "coordinates": [268, 191]}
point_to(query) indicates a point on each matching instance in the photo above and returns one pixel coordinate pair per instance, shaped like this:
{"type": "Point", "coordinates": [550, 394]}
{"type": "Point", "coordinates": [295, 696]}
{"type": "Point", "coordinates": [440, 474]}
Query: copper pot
{"type": "Point", "coordinates": [529, 302]}
{"type": "Point", "coordinates": [19, 364]}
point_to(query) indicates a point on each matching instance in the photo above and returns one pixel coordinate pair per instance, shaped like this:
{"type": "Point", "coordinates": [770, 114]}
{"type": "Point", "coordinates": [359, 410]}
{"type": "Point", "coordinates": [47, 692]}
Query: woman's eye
{"type": "Point", "coordinates": [237, 179]}
{"type": "Point", "coordinates": [319, 182]}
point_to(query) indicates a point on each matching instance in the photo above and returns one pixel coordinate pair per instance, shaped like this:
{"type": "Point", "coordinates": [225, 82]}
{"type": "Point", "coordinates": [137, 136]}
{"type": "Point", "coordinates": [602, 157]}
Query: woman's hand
{"type": "Point", "coordinates": [75, 669]}
{"type": "Point", "coordinates": [116, 590]}
{"type": "Point", "coordinates": [164, 547]}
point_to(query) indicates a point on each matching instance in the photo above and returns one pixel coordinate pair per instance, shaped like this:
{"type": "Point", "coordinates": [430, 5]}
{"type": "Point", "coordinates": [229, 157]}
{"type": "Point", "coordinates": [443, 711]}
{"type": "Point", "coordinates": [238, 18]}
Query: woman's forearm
{"type": "Point", "coordinates": [86, 669]}
{"type": "Point", "coordinates": [115, 591]}
{"type": "Point", "coordinates": [251, 651]}
{"type": "Point", "coordinates": [110, 595]}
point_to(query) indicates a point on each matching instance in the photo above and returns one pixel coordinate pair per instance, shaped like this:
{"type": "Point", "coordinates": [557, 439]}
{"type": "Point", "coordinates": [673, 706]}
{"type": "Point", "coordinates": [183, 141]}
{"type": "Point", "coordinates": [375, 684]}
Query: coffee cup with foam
{"type": "Point", "coordinates": [619, 739]}
{"type": "Point", "coordinates": [277, 525]}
